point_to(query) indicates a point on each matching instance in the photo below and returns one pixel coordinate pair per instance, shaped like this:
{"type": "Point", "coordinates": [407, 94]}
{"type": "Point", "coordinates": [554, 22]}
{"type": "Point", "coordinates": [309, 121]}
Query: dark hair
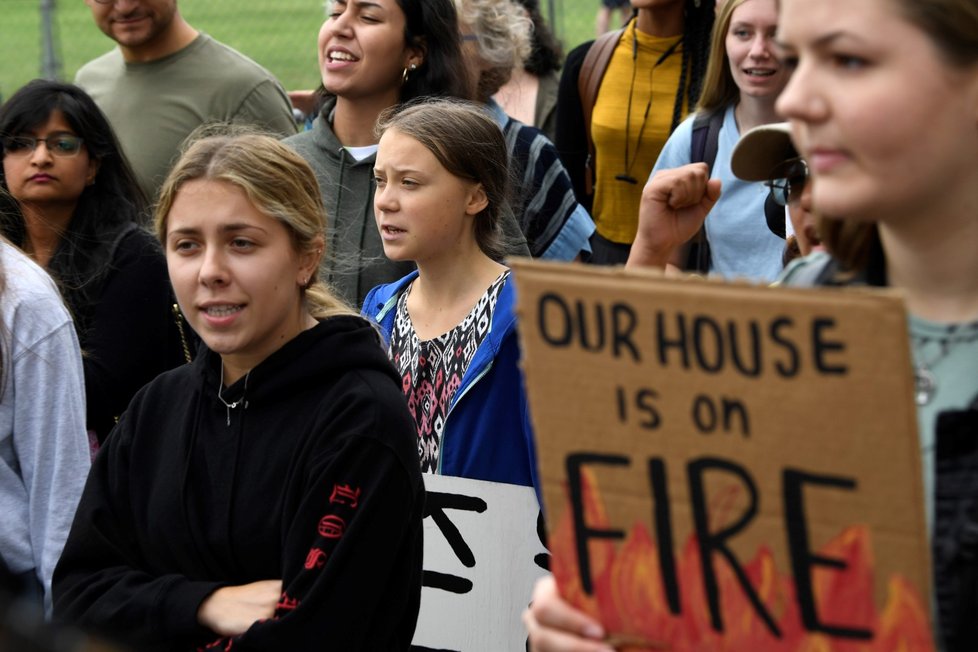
{"type": "Point", "coordinates": [4, 335]}
{"type": "Point", "coordinates": [952, 25]}
{"type": "Point", "coordinates": [698, 24]}
{"type": "Point", "coordinates": [547, 54]}
{"type": "Point", "coordinates": [857, 247]}
{"type": "Point", "coordinates": [470, 145]}
{"type": "Point", "coordinates": [104, 210]}
{"type": "Point", "coordinates": [431, 25]}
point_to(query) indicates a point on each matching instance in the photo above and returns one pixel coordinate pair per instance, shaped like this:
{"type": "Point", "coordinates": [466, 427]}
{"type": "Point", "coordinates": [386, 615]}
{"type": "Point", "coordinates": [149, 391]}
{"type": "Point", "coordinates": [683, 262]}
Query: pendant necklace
{"type": "Point", "coordinates": [626, 174]}
{"type": "Point", "coordinates": [925, 382]}
{"type": "Point", "coordinates": [235, 404]}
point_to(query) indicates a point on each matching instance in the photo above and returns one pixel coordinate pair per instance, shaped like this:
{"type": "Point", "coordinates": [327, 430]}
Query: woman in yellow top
{"type": "Point", "coordinates": [653, 77]}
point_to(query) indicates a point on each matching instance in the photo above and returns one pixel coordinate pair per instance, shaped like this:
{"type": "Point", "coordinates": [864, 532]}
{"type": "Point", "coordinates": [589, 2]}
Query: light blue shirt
{"type": "Point", "coordinates": [741, 244]}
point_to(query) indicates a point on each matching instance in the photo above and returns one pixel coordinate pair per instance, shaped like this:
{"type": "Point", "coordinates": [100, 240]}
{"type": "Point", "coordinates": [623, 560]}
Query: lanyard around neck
{"type": "Point", "coordinates": [626, 175]}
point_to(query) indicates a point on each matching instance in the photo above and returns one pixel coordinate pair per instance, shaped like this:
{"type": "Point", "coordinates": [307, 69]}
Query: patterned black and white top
{"type": "Point", "coordinates": [432, 370]}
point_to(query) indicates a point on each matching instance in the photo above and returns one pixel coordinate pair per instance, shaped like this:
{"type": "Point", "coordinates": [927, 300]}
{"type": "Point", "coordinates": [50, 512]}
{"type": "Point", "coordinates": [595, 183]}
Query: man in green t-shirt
{"type": "Point", "coordinates": [165, 79]}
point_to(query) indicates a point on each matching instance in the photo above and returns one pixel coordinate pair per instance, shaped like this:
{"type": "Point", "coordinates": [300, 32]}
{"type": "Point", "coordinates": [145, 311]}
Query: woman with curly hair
{"type": "Point", "coordinates": [496, 37]}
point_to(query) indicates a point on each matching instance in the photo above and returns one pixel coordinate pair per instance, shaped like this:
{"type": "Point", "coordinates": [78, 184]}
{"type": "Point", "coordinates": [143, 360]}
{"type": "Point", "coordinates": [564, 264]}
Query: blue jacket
{"type": "Point", "coordinates": [487, 434]}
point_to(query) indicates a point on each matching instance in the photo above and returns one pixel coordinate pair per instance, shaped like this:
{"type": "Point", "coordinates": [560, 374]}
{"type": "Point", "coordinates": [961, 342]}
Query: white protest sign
{"type": "Point", "coordinates": [482, 553]}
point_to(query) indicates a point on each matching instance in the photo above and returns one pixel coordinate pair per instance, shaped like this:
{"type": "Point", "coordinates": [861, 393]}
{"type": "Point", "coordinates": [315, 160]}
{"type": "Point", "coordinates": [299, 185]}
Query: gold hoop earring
{"type": "Point", "coordinates": [404, 74]}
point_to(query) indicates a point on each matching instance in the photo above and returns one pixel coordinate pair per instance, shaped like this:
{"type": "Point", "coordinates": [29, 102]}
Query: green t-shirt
{"type": "Point", "coordinates": [949, 352]}
{"type": "Point", "coordinates": [153, 106]}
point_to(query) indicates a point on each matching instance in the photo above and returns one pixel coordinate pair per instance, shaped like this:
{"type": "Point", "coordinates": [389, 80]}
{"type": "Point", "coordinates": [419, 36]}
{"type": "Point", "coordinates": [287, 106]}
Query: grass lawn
{"type": "Point", "coordinates": [279, 34]}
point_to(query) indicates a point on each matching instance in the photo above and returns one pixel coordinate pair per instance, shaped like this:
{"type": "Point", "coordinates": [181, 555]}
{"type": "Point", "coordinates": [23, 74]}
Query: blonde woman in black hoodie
{"type": "Point", "coordinates": [268, 496]}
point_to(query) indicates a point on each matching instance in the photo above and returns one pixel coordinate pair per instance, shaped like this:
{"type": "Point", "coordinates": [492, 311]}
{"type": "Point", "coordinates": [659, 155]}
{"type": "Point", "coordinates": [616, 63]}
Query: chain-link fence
{"type": "Point", "coordinates": [53, 38]}
{"type": "Point", "coordinates": [280, 34]}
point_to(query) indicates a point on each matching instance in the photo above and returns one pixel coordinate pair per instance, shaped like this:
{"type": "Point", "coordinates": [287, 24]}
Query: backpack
{"type": "Point", "coordinates": [955, 537]}
{"type": "Point", "coordinates": [703, 149]}
{"type": "Point", "coordinates": [588, 82]}
{"type": "Point", "coordinates": [706, 132]}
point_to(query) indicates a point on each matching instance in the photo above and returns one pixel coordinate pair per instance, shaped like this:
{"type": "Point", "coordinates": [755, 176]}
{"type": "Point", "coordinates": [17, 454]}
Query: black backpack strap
{"type": "Point", "coordinates": [703, 149]}
{"type": "Point", "coordinates": [955, 536]}
{"type": "Point", "coordinates": [706, 138]}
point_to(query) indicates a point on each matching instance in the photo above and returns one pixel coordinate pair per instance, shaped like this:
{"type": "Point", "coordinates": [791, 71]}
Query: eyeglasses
{"type": "Point", "coordinates": [61, 145]}
{"type": "Point", "coordinates": [787, 181]}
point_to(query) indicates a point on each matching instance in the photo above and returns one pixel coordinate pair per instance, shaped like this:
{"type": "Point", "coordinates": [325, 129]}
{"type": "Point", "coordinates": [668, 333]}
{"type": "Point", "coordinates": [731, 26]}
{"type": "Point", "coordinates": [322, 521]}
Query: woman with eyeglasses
{"type": "Point", "coordinates": [71, 202]}
{"type": "Point", "coordinates": [743, 80]}
{"type": "Point", "coordinates": [530, 95]}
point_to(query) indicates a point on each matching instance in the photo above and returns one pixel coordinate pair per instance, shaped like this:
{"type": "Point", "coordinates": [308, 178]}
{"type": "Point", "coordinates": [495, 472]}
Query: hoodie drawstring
{"type": "Point", "coordinates": [334, 231]}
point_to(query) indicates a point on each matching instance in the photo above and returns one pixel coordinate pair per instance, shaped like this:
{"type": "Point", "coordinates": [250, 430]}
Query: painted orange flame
{"type": "Point", "coordinates": [628, 596]}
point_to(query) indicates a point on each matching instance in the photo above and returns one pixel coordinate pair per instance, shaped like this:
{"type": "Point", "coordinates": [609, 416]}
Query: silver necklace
{"type": "Point", "coordinates": [925, 382]}
{"type": "Point", "coordinates": [235, 404]}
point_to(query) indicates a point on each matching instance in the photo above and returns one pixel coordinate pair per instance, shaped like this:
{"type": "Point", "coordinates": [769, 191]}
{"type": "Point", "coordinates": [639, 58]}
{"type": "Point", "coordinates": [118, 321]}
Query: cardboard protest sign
{"type": "Point", "coordinates": [482, 554]}
{"type": "Point", "coordinates": [727, 467]}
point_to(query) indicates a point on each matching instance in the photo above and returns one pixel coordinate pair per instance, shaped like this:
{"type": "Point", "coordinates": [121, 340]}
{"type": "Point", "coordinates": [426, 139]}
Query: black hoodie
{"type": "Point", "coordinates": [310, 476]}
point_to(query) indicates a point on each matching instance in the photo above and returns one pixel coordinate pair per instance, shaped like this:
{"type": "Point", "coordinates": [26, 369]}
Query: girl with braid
{"type": "Point", "coordinates": [609, 142]}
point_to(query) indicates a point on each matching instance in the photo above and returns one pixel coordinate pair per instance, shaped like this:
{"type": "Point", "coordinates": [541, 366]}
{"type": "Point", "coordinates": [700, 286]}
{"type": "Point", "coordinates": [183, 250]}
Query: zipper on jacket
{"type": "Point", "coordinates": [444, 430]}
{"type": "Point", "coordinates": [390, 303]}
